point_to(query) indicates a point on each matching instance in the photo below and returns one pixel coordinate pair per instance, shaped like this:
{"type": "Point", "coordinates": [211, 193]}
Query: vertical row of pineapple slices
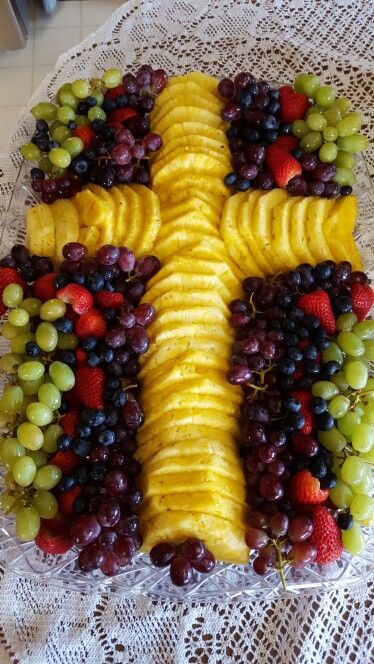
{"type": "Point", "coordinates": [192, 477]}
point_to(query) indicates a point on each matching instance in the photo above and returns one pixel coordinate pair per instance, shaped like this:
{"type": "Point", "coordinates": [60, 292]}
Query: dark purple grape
{"type": "Point", "coordinates": [115, 482]}
{"type": "Point", "coordinates": [116, 337]}
{"type": "Point", "coordinates": [331, 190]}
{"type": "Point", "coordinates": [125, 549]}
{"type": "Point", "coordinates": [239, 375]}
{"type": "Point", "coordinates": [226, 88]}
{"type": "Point", "coordinates": [324, 172]}
{"type": "Point", "coordinates": [91, 557]}
{"type": "Point", "coordinates": [260, 566]}
{"type": "Point", "coordinates": [162, 554]}
{"type": "Point", "coordinates": [255, 153]}
{"type": "Point", "coordinates": [109, 513]}
{"type": "Point", "coordinates": [248, 171]}
{"type": "Point", "coordinates": [147, 267]}
{"type": "Point", "coordinates": [297, 186]}
{"type": "Point", "coordinates": [300, 528]}
{"type": "Point", "coordinates": [193, 550]}
{"type": "Point", "coordinates": [205, 564]}
{"type": "Point", "coordinates": [137, 339]}
{"type": "Point", "coordinates": [130, 84]}
{"type": "Point", "coordinates": [128, 525]}
{"type": "Point", "coordinates": [270, 488]}
{"type": "Point", "coordinates": [256, 538]}
{"type": "Point", "coordinates": [152, 142]}
{"type": "Point", "coordinates": [133, 415]}
{"type": "Point", "coordinates": [243, 79]}
{"type": "Point", "coordinates": [181, 572]}
{"type": "Point", "coordinates": [85, 529]}
{"type": "Point", "coordinates": [111, 564]}
{"type": "Point", "coordinates": [232, 111]}
{"type": "Point", "coordinates": [159, 79]}
{"type": "Point", "coordinates": [278, 524]}
{"type": "Point", "coordinates": [250, 346]}
{"type": "Point", "coordinates": [309, 162]}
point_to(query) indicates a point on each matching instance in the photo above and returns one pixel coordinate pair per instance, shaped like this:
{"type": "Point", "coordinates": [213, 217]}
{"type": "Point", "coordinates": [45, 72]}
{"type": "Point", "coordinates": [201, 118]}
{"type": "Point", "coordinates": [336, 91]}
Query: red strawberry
{"type": "Point", "coordinates": [293, 105]}
{"type": "Point", "coordinates": [86, 134]}
{"type": "Point", "coordinates": [89, 386]}
{"type": "Point", "coordinates": [8, 276]}
{"type": "Point", "coordinates": [121, 115]}
{"type": "Point", "coordinates": [305, 489]}
{"type": "Point", "coordinates": [362, 300]}
{"type": "Point", "coordinates": [113, 93]}
{"type": "Point", "coordinates": [108, 300]}
{"type": "Point", "coordinates": [66, 461]}
{"type": "Point", "coordinates": [78, 296]}
{"type": "Point", "coordinates": [305, 398]}
{"type": "Point", "coordinates": [66, 500]}
{"type": "Point", "coordinates": [69, 423]}
{"type": "Point", "coordinates": [287, 143]}
{"type": "Point", "coordinates": [54, 536]}
{"type": "Point", "coordinates": [91, 324]}
{"type": "Point", "coordinates": [81, 356]}
{"type": "Point", "coordinates": [318, 304]}
{"type": "Point", "coordinates": [44, 287]}
{"type": "Point", "coordinates": [326, 536]}
{"type": "Point", "coordinates": [283, 166]}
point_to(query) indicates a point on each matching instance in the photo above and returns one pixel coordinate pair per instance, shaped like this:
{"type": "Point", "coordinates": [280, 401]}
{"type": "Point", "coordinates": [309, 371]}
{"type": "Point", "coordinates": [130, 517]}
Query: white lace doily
{"type": "Point", "coordinates": [41, 625]}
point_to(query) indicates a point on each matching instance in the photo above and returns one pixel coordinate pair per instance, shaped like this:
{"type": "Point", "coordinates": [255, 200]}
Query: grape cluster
{"type": "Point", "coordinates": [97, 131]}
{"type": "Point", "coordinates": [252, 108]}
{"type": "Point", "coordinates": [183, 560]}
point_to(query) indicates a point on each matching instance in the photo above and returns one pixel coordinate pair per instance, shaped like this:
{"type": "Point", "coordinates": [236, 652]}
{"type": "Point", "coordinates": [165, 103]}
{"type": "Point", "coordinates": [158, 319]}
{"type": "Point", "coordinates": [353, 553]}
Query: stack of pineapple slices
{"type": "Point", "coordinates": [192, 478]}
{"type": "Point", "coordinates": [124, 215]}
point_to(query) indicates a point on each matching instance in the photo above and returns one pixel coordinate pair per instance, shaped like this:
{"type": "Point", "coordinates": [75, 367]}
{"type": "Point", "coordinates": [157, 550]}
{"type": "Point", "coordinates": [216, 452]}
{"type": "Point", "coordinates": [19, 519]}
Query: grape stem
{"type": "Point", "coordinates": [281, 564]}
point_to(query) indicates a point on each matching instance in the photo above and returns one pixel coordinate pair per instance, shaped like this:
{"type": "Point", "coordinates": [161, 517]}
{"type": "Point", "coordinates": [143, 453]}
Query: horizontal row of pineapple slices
{"type": "Point", "coordinates": [192, 477]}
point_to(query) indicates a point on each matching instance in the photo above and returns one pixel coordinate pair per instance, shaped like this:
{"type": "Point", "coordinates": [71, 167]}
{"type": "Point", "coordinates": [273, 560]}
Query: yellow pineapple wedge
{"type": "Point", "coordinates": [66, 224]}
{"type": "Point", "coordinates": [40, 230]}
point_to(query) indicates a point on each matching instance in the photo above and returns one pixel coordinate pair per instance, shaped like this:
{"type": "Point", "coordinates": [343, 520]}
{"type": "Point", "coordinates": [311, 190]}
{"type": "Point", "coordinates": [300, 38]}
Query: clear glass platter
{"type": "Point", "coordinates": [226, 582]}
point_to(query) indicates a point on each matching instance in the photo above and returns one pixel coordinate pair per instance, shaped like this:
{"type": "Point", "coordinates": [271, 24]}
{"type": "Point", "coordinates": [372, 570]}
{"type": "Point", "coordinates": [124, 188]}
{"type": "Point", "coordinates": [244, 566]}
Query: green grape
{"type": "Point", "coordinates": [65, 114]}
{"type": "Point", "coordinates": [47, 477]}
{"type": "Point", "coordinates": [81, 121]}
{"type": "Point", "coordinates": [45, 503]}
{"type": "Point", "coordinates": [18, 317]}
{"type": "Point", "coordinates": [330, 134]}
{"type": "Point", "coordinates": [67, 341]}
{"type": "Point", "coordinates": [316, 122]}
{"type": "Point", "coordinates": [24, 471]}
{"type": "Point", "coordinates": [96, 113]}
{"type": "Point", "coordinates": [10, 450]}
{"type": "Point", "coordinates": [348, 422]}
{"type": "Point", "coordinates": [359, 409]}
{"type": "Point", "coordinates": [341, 495]}
{"type": "Point", "coordinates": [45, 165]}
{"type": "Point", "coordinates": [333, 353]}
{"type": "Point", "coordinates": [346, 321]}
{"type": "Point", "coordinates": [350, 344]}
{"type": "Point", "coordinates": [332, 115]}
{"type": "Point", "coordinates": [54, 125]}
{"type": "Point", "coordinates": [61, 133]}
{"type": "Point", "coordinates": [4, 420]}
{"type": "Point", "coordinates": [31, 305]}
{"type": "Point", "coordinates": [364, 329]}
{"type": "Point", "coordinates": [369, 456]}
{"type": "Point", "coordinates": [17, 344]}
{"type": "Point", "coordinates": [10, 362]}
{"type": "Point", "coordinates": [356, 373]}
{"type": "Point", "coordinates": [44, 111]}
{"type": "Point", "coordinates": [9, 331]}
{"type": "Point", "coordinates": [369, 390]}
{"type": "Point", "coordinates": [30, 387]}
{"type": "Point", "coordinates": [63, 88]}
{"type": "Point", "coordinates": [74, 146]}
{"type": "Point", "coordinates": [98, 95]}
{"type": "Point", "coordinates": [30, 436]}
{"type": "Point", "coordinates": [59, 157]}
{"type": "Point", "coordinates": [27, 524]}
{"type": "Point", "coordinates": [363, 437]}
{"type": "Point", "coordinates": [369, 349]}
{"type": "Point", "coordinates": [366, 484]}
{"type": "Point", "coordinates": [30, 152]}
{"type": "Point", "coordinates": [340, 381]}
{"type": "Point", "coordinates": [324, 389]}
{"type": "Point", "coordinates": [311, 141]}
{"type": "Point", "coordinates": [338, 406]}
{"type": "Point", "coordinates": [52, 309]}
{"type": "Point", "coordinates": [12, 399]}
{"type": "Point", "coordinates": [46, 336]}
{"type": "Point", "coordinates": [362, 507]}
{"type": "Point", "coordinates": [299, 128]}
{"type": "Point", "coordinates": [112, 77]}
{"type": "Point", "coordinates": [39, 457]}
{"type": "Point", "coordinates": [69, 99]}
{"type": "Point", "coordinates": [39, 414]}
{"type": "Point", "coordinates": [9, 503]}
{"type": "Point", "coordinates": [62, 376]}
{"type": "Point", "coordinates": [353, 540]}
{"type": "Point", "coordinates": [327, 152]}
{"type": "Point", "coordinates": [50, 396]}
{"type": "Point", "coordinates": [333, 440]}
{"type": "Point", "coordinates": [12, 295]}
{"type": "Point", "coordinates": [354, 143]}
{"type": "Point", "coordinates": [81, 88]}
{"type": "Point", "coordinates": [31, 370]}
{"type": "Point", "coordinates": [350, 124]}
{"type": "Point", "coordinates": [344, 160]}
{"type": "Point", "coordinates": [343, 104]}
{"type": "Point", "coordinates": [307, 84]}
{"type": "Point", "coordinates": [344, 176]}
{"type": "Point", "coordinates": [51, 435]}
{"type": "Point", "coordinates": [9, 482]}
{"type": "Point", "coordinates": [353, 470]}
{"type": "Point", "coordinates": [325, 96]}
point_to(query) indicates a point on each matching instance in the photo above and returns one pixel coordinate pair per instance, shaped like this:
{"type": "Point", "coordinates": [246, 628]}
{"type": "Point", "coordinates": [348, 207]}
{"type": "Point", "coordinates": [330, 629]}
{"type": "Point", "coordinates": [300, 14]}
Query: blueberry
{"type": "Point", "coordinates": [98, 472]}
{"type": "Point", "coordinates": [28, 273]}
{"type": "Point", "coordinates": [325, 421]}
{"type": "Point", "coordinates": [79, 165]}
{"type": "Point", "coordinates": [271, 135]}
{"type": "Point", "coordinates": [110, 314]}
{"type": "Point", "coordinates": [301, 332]}
{"type": "Point", "coordinates": [245, 99]}
{"type": "Point", "coordinates": [82, 447]}
{"type": "Point", "coordinates": [274, 94]}
{"type": "Point", "coordinates": [290, 339]}
{"type": "Point", "coordinates": [297, 153]}
{"type": "Point", "coordinates": [344, 521]}
{"type": "Point", "coordinates": [53, 144]}
{"type": "Point", "coordinates": [81, 473]}
{"type": "Point", "coordinates": [312, 368]}
{"type": "Point", "coordinates": [72, 125]}
{"type": "Point", "coordinates": [82, 108]}
{"type": "Point", "coordinates": [95, 282]}
{"type": "Point", "coordinates": [318, 405]}
{"type": "Point", "coordinates": [307, 275]}
{"type": "Point", "coordinates": [67, 483]}
{"type": "Point", "coordinates": [329, 481]}
{"type": "Point", "coordinates": [295, 354]}
{"type": "Point", "coordinates": [323, 271]}
{"type": "Point", "coordinates": [111, 416]}
{"type": "Point", "coordinates": [68, 357]}
{"type": "Point", "coordinates": [64, 442]}
{"type": "Point", "coordinates": [37, 174]}
{"type": "Point", "coordinates": [64, 325]}
{"type": "Point", "coordinates": [79, 278]}
{"type": "Point", "coordinates": [89, 343]}
{"type": "Point", "coordinates": [296, 315]}
{"type": "Point", "coordinates": [346, 190]}
{"type": "Point", "coordinates": [285, 128]}
{"type": "Point", "coordinates": [106, 437]}
{"type": "Point", "coordinates": [113, 383]}
{"type": "Point", "coordinates": [306, 382]}
{"type": "Point", "coordinates": [108, 395]}
{"type": "Point", "coordinates": [251, 135]}
{"type": "Point", "coordinates": [289, 325]}
{"type": "Point", "coordinates": [295, 421]}
{"type": "Point", "coordinates": [32, 349]}
{"type": "Point", "coordinates": [317, 467]}
{"type": "Point", "coordinates": [286, 366]}
{"type": "Point", "coordinates": [331, 368]}
{"type": "Point", "coordinates": [64, 407]}
{"type": "Point", "coordinates": [311, 322]}
{"type": "Point", "coordinates": [232, 131]}
{"type": "Point", "coordinates": [122, 101]}
{"type": "Point", "coordinates": [242, 184]}
{"type": "Point", "coordinates": [91, 101]}
{"type": "Point", "coordinates": [273, 107]}
{"type": "Point", "coordinates": [80, 505]}
{"type": "Point", "coordinates": [322, 343]}
{"type": "Point", "coordinates": [284, 299]}
{"type": "Point", "coordinates": [61, 281]}
{"type": "Point", "coordinates": [89, 154]}
{"type": "Point", "coordinates": [292, 405]}
{"type": "Point", "coordinates": [119, 398]}
{"type": "Point", "coordinates": [84, 430]}
{"type": "Point", "coordinates": [42, 126]}
{"type": "Point", "coordinates": [107, 355]}
{"type": "Point", "coordinates": [93, 417]}
{"type": "Point", "coordinates": [253, 89]}
{"type": "Point", "coordinates": [341, 304]}
{"type": "Point", "coordinates": [109, 105]}
{"type": "Point", "coordinates": [300, 464]}
{"type": "Point", "coordinates": [93, 360]}
{"type": "Point", "coordinates": [97, 126]}
{"type": "Point", "coordinates": [286, 382]}
{"type": "Point", "coordinates": [230, 179]}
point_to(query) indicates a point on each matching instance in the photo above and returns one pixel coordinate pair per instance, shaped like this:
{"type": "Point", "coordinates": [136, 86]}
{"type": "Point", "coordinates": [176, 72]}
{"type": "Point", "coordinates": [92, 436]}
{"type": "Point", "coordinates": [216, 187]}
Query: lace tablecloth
{"type": "Point", "coordinates": [41, 625]}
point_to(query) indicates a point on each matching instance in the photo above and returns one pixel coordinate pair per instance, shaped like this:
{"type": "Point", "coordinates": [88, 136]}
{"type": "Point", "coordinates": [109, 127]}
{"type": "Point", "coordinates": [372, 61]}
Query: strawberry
{"type": "Point", "coordinates": [81, 356]}
{"type": "Point", "coordinates": [305, 398]}
{"type": "Point", "coordinates": [86, 134]}
{"type": "Point", "coordinates": [318, 304]}
{"type": "Point", "coordinates": [69, 423]}
{"type": "Point", "coordinates": [326, 536]}
{"type": "Point", "coordinates": [283, 166]}
{"type": "Point", "coordinates": [8, 276]}
{"type": "Point", "coordinates": [108, 300]}
{"type": "Point", "coordinates": [287, 143]}
{"type": "Point", "coordinates": [293, 105]}
{"type": "Point", "coordinates": [54, 536]}
{"type": "Point", "coordinates": [66, 500]}
{"type": "Point", "coordinates": [113, 93]}
{"type": "Point", "coordinates": [121, 115]}
{"type": "Point", "coordinates": [305, 489]}
{"type": "Point", "coordinates": [66, 461]}
{"type": "Point", "coordinates": [78, 296]}
{"type": "Point", "coordinates": [91, 324]}
{"type": "Point", "coordinates": [44, 287]}
{"type": "Point", "coordinates": [89, 386]}
{"type": "Point", "coordinates": [362, 300]}
{"type": "Point", "coordinates": [299, 371]}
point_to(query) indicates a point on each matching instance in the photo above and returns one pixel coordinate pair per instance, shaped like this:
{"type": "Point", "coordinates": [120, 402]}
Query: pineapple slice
{"type": "Point", "coordinates": [188, 129]}
{"type": "Point", "coordinates": [205, 81]}
{"type": "Point", "coordinates": [298, 233]}
{"type": "Point", "coordinates": [193, 384]}
{"type": "Point", "coordinates": [107, 230]}
{"type": "Point", "coordinates": [209, 314]}
{"type": "Point", "coordinates": [281, 234]}
{"type": "Point", "coordinates": [135, 221]}
{"type": "Point", "coordinates": [178, 86]}
{"type": "Point", "coordinates": [151, 219]}
{"type": "Point", "coordinates": [174, 348]}
{"type": "Point", "coordinates": [182, 435]}
{"type": "Point", "coordinates": [185, 164]}
{"type": "Point", "coordinates": [194, 331]}
{"type": "Point", "coordinates": [245, 228]}
{"type": "Point", "coordinates": [212, 202]}
{"type": "Point", "coordinates": [232, 238]}
{"type": "Point", "coordinates": [200, 502]}
{"type": "Point", "coordinates": [176, 299]}
{"type": "Point", "coordinates": [121, 216]}
{"type": "Point", "coordinates": [345, 249]}
{"type": "Point", "coordinates": [66, 224]}
{"type": "Point", "coordinates": [92, 211]}
{"type": "Point", "coordinates": [317, 211]}
{"type": "Point", "coordinates": [195, 207]}
{"type": "Point", "coordinates": [203, 480]}
{"type": "Point", "coordinates": [192, 221]}
{"type": "Point", "coordinates": [208, 416]}
{"type": "Point", "coordinates": [218, 149]}
{"type": "Point", "coordinates": [198, 449]}
{"type": "Point", "coordinates": [164, 106]}
{"type": "Point", "coordinates": [262, 225]}
{"type": "Point", "coordinates": [175, 242]}
{"type": "Point", "coordinates": [90, 237]}
{"type": "Point", "coordinates": [163, 160]}
{"type": "Point", "coordinates": [188, 114]}
{"type": "Point", "coordinates": [40, 230]}
{"type": "Point", "coordinates": [173, 402]}
{"type": "Point", "coordinates": [201, 361]}
{"type": "Point", "coordinates": [214, 186]}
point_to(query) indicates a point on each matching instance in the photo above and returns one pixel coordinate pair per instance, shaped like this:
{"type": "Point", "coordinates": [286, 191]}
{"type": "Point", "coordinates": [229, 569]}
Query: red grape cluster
{"type": "Point", "coordinates": [316, 178]}
{"type": "Point", "coordinates": [51, 189]}
{"type": "Point", "coordinates": [183, 560]}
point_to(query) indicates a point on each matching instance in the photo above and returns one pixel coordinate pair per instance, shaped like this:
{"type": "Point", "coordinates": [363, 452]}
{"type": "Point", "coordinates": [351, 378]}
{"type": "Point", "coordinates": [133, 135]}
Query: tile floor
{"type": "Point", "coordinates": [21, 71]}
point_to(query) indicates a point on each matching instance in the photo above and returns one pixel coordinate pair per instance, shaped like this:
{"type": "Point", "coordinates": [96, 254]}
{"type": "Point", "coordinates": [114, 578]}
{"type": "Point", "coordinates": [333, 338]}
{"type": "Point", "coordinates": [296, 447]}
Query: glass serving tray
{"type": "Point", "coordinates": [226, 582]}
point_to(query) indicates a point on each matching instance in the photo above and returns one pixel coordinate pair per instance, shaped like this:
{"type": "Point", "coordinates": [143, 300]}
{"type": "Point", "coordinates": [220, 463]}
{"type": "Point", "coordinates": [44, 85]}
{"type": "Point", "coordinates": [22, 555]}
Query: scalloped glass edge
{"type": "Point", "coordinates": [226, 582]}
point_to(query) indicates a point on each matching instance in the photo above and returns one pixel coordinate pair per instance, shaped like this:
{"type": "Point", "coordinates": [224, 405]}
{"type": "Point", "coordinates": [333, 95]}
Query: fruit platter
{"type": "Point", "coordinates": [187, 402]}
